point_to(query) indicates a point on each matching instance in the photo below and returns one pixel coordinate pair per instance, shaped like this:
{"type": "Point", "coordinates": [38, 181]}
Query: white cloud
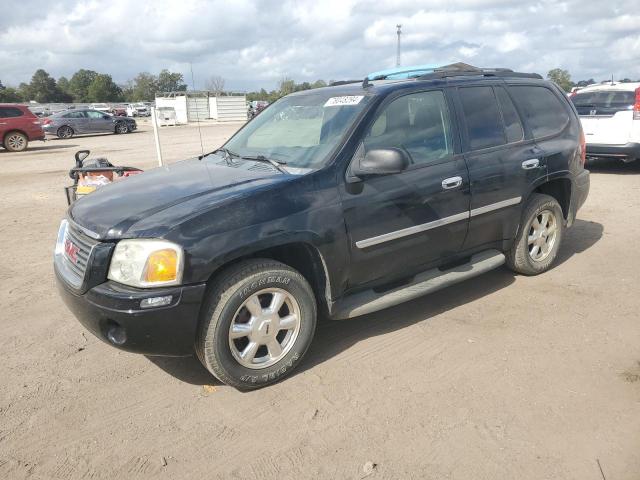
{"type": "Point", "coordinates": [253, 43]}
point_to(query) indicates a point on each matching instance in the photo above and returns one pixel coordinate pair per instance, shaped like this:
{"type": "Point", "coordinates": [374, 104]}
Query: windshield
{"type": "Point", "coordinates": [299, 130]}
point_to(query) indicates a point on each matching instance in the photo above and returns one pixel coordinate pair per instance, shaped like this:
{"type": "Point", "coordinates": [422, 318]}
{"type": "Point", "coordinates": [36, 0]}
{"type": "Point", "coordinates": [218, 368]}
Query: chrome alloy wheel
{"type": "Point", "coordinates": [16, 142]}
{"type": "Point", "coordinates": [542, 235]}
{"type": "Point", "coordinates": [264, 328]}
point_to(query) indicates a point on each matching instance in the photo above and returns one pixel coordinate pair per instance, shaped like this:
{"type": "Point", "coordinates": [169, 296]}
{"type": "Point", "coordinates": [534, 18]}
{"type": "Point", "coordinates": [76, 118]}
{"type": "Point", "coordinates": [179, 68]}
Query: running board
{"type": "Point", "coordinates": [423, 283]}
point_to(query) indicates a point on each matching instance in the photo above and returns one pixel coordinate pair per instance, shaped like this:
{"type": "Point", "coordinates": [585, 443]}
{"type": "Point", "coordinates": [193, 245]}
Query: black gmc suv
{"type": "Point", "coordinates": [338, 201]}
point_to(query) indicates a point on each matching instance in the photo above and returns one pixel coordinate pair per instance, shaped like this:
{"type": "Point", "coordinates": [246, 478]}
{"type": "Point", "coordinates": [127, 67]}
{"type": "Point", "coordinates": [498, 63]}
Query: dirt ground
{"type": "Point", "coordinates": [500, 377]}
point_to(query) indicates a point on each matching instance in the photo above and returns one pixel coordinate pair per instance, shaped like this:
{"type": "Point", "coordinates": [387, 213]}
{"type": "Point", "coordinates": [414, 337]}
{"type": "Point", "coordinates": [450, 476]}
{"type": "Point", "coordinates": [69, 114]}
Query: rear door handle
{"type": "Point", "coordinates": [452, 182]}
{"type": "Point", "coordinates": [531, 164]}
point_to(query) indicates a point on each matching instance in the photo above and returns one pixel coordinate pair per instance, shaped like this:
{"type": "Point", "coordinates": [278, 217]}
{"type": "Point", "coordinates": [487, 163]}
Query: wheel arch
{"type": "Point", "coordinates": [303, 256]}
{"type": "Point", "coordinates": [15, 130]}
{"type": "Point", "coordinates": [560, 189]}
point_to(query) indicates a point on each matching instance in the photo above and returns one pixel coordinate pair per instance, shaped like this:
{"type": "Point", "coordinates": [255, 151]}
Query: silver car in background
{"type": "Point", "coordinates": [74, 122]}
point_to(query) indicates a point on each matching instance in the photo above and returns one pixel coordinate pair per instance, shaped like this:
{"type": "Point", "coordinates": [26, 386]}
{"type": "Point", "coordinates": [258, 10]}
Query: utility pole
{"type": "Point", "coordinates": [399, 32]}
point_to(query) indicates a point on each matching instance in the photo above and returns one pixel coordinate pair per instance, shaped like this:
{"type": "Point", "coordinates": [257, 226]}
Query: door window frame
{"type": "Point", "coordinates": [454, 130]}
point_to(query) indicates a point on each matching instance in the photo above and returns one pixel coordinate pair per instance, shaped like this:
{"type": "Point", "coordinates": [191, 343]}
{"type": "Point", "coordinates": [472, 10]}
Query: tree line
{"type": "Point", "coordinates": [89, 86]}
{"type": "Point", "coordinates": [285, 87]}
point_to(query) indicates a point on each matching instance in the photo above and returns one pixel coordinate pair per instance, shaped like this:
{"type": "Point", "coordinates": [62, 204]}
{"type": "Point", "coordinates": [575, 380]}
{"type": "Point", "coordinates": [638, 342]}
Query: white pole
{"type": "Point", "coordinates": [156, 135]}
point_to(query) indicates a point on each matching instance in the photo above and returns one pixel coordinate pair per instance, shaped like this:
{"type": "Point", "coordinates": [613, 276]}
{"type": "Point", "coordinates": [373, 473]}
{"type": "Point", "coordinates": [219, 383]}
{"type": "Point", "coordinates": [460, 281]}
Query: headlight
{"type": "Point", "coordinates": [146, 263]}
{"type": "Point", "coordinates": [62, 234]}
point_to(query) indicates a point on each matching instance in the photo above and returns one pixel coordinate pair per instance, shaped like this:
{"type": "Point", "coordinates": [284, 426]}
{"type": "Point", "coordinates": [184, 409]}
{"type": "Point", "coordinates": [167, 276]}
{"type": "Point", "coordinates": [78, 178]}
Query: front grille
{"type": "Point", "coordinates": [80, 247]}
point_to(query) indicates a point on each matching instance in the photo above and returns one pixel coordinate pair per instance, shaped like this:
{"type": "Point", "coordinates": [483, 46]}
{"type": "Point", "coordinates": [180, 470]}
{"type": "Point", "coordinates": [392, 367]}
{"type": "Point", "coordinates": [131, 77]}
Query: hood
{"type": "Point", "coordinates": [152, 203]}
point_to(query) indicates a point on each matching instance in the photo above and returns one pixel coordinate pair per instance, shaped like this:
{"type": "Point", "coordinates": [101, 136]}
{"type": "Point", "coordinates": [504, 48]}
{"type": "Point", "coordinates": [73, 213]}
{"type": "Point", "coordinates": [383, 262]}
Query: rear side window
{"type": "Point", "coordinates": [512, 125]}
{"type": "Point", "coordinates": [482, 117]}
{"type": "Point", "coordinates": [10, 112]}
{"type": "Point", "coordinates": [542, 110]}
{"type": "Point", "coordinates": [417, 123]}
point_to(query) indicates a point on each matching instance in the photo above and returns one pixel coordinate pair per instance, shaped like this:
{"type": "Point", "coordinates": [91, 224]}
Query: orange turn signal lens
{"type": "Point", "coordinates": [162, 266]}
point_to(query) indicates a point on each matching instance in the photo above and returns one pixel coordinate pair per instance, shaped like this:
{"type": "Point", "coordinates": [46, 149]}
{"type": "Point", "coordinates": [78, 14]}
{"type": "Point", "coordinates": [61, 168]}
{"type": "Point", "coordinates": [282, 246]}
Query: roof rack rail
{"type": "Point", "coordinates": [486, 72]}
{"type": "Point", "coordinates": [343, 82]}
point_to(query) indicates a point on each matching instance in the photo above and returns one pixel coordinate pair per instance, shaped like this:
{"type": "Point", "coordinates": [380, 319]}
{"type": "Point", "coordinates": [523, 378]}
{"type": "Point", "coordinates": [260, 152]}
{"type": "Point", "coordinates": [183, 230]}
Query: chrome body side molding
{"type": "Point", "coordinates": [387, 237]}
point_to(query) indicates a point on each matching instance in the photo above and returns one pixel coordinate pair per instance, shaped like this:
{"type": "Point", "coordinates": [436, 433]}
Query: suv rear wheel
{"type": "Point", "coordinates": [258, 323]}
{"type": "Point", "coordinates": [538, 240]}
{"type": "Point", "coordinates": [15, 142]}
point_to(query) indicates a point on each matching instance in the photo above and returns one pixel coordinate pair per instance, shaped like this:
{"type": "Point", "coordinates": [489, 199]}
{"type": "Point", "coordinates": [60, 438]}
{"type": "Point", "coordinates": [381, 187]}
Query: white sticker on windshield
{"type": "Point", "coordinates": [342, 101]}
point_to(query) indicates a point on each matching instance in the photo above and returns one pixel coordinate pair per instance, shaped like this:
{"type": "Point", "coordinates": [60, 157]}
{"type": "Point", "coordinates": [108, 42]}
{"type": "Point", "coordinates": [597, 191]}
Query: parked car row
{"type": "Point", "coordinates": [19, 125]}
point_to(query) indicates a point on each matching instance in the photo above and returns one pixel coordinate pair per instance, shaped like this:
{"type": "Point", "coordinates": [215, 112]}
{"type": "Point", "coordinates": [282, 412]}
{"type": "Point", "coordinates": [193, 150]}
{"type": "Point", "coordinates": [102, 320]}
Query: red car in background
{"type": "Point", "coordinates": [18, 127]}
{"type": "Point", "coordinates": [119, 111]}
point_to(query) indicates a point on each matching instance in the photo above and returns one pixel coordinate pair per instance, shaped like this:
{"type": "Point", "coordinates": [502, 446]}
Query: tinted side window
{"type": "Point", "coordinates": [10, 112]}
{"type": "Point", "coordinates": [74, 115]}
{"type": "Point", "coordinates": [94, 114]}
{"type": "Point", "coordinates": [417, 123]}
{"type": "Point", "coordinates": [542, 110]}
{"type": "Point", "coordinates": [512, 125]}
{"type": "Point", "coordinates": [484, 125]}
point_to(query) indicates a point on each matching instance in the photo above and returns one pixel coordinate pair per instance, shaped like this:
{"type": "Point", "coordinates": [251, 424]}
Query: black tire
{"type": "Point", "coordinates": [520, 258]}
{"type": "Point", "coordinates": [226, 296]}
{"type": "Point", "coordinates": [121, 127]}
{"type": "Point", "coordinates": [65, 132]}
{"type": "Point", "coordinates": [15, 142]}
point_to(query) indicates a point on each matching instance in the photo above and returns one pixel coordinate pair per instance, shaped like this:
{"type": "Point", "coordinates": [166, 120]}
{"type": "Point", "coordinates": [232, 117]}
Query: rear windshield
{"type": "Point", "coordinates": [603, 102]}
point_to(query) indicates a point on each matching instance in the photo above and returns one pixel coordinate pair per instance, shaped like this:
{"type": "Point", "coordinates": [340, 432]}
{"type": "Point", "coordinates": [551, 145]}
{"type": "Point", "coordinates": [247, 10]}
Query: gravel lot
{"type": "Point", "coordinates": [500, 377]}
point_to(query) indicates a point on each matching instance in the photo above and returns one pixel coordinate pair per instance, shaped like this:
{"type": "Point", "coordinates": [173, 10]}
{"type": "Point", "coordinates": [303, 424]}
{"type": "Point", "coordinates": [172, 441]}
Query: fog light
{"type": "Point", "coordinates": [156, 301]}
{"type": "Point", "coordinates": [116, 334]}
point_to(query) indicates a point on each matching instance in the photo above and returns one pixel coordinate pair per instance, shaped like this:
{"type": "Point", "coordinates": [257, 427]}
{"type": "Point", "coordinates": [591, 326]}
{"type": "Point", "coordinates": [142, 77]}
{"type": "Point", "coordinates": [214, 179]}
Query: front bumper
{"type": "Point", "coordinates": [112, 312]}
{"type": "Point", "coordinates": [629, 150]}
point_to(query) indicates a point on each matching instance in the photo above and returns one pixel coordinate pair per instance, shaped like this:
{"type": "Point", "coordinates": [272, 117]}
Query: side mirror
{"type": "Point", "coordinates": [381, 161]}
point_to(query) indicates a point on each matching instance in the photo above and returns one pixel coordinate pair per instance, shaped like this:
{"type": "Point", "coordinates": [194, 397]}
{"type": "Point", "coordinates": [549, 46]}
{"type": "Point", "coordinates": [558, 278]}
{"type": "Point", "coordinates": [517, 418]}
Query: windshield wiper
{"type": "Point", "coordinates": [261, 158]}
{"type": "Point", "coordinates": [228, 154]}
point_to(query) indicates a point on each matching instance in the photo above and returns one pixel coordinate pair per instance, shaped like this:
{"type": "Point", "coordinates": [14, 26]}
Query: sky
{"type": "Point", "coordinates": [253, 44]}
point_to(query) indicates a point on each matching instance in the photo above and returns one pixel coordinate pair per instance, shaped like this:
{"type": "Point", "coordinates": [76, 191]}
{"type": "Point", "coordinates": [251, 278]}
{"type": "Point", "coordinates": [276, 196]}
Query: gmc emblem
{"type": "Point", "coordinates": [71, 250]}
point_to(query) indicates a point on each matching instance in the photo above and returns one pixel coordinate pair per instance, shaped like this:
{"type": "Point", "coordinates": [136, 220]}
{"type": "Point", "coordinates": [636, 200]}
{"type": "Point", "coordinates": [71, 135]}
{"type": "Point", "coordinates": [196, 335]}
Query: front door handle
{"type": "Point", "coordinates": [531, 164]}
{"type": "Point", "coordinates": [452, 182]}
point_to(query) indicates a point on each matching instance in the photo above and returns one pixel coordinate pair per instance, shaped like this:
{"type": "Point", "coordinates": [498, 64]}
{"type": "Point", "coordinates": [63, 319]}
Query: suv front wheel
{"type": "Point", "coordinates": [538, 241]}
{"type": "Point", "coordinates": [258, 323]}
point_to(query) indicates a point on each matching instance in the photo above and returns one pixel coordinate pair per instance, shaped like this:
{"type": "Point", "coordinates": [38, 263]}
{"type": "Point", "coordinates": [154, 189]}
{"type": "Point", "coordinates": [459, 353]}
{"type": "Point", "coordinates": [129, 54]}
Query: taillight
{"type": "Point", "coordinates": [636, 105]}
{"type": "Point", "coordinates": [46, 121]}
{"type": "Point", "coordinates": [583, 148]}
